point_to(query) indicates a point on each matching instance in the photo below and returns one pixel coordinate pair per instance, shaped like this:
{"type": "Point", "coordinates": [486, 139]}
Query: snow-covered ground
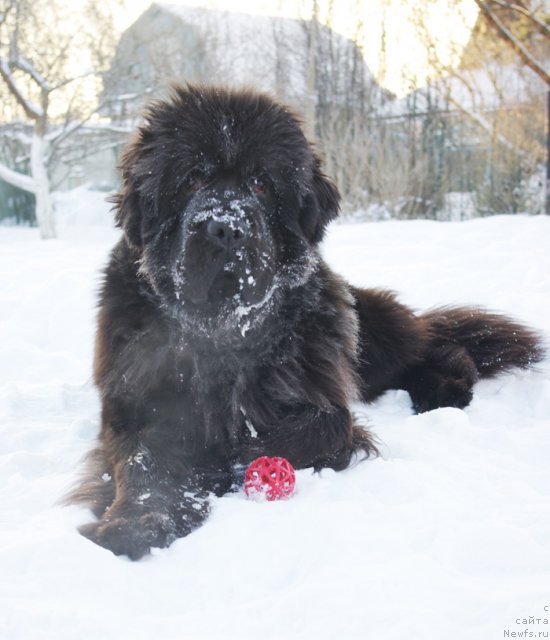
{"type": "Point", "coordinates": [445, 537]}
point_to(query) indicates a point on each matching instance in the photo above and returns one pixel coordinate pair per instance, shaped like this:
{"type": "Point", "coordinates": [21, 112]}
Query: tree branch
{"type": "Point", "coordinates": [513, 42]}
{"type": "Point", "coordinates": [487, 127]}
{"type": "Point", "coordinates": [541, 25]}
{"type": "Point", "coordinates": [64, 83]}
{"type": "Point", "coordinates": [56, 137]}
{"type": "Point", "coordinates": [5, 11]}
{"type": "Point", "coordinates": [17, 179]}
{"type": "Point", "coordinates": [33, 112]}
{"type": "Point", "coordinates": [27, 67]}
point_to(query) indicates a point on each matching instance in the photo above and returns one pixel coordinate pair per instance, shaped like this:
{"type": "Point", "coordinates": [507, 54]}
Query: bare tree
{"type": "Point", "coordinates": [536, 19]}
{"type": "Point", "coordinates": [42, 85]}
{"type": "Point", "coordinates": [491, 111]}
{"type": "Point", "coordinates": [533, 14]}
{"type": "Point", "coordinates": [312, 62]}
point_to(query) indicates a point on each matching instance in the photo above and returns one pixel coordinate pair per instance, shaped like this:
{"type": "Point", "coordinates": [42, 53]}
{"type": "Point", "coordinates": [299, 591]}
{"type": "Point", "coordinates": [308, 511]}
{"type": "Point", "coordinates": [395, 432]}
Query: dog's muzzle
{"type": "Point", "coordinates": [227, 233]}
{"type": "Point", "coordinates": [224, 244]}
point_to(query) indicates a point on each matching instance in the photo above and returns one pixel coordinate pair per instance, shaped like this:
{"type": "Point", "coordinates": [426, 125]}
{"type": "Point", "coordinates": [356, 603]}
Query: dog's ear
{"type": "Point", "coordinates": [321, 206]}
{"type": "Point", "coordinates": [135, 203]}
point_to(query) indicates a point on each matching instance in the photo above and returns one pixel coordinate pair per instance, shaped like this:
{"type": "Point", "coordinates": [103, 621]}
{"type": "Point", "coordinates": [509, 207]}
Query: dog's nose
{"type": "Point", "coordinates": [229, 234]}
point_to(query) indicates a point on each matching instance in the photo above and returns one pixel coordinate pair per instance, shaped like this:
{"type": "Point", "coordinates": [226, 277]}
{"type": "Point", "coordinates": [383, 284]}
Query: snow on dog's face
{"type": "Point", "coordinates": [224, 199]}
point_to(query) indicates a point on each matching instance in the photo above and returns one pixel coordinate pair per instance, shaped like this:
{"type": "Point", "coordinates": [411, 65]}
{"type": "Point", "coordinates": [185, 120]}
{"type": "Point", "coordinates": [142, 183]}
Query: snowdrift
{"type": "Point", "coordinates": [447, 535]}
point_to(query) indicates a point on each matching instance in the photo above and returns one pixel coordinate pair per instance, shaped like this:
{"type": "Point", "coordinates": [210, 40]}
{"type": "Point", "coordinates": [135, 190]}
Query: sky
{"type": "Point", "coordinates": [376, 25]}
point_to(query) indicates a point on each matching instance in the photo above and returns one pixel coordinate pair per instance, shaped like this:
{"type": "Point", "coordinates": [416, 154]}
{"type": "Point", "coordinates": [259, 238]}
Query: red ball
{"type": "Point", "coordinates": [269, 479]}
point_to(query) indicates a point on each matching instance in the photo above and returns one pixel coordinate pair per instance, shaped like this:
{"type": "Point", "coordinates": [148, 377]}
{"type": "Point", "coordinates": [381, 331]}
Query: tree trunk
{"type": "Point", "coordinates": [44, 203]}
{"type": "Point", "coordinates": [311, 71]}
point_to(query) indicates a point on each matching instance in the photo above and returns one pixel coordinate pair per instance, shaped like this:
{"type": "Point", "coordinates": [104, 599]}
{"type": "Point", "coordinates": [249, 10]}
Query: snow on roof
{"type": "Point", "coordinates": [246, 45]}
{"type": "Point", "coordinates": [271, 53]}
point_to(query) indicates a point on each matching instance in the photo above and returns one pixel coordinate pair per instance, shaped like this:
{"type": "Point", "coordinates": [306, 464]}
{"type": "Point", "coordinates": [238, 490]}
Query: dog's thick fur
{"type": "Point", "coordinates": [222, 335]}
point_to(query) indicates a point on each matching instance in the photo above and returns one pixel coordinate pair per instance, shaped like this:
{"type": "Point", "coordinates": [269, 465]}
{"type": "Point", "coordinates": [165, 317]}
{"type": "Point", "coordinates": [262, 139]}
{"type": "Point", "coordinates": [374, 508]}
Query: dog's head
{"type": "Point", "coordinates": [225, 201]}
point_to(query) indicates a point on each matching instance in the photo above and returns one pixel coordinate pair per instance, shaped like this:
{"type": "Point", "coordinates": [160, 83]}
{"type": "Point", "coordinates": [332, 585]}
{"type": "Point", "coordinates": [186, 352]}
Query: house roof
{"type": "Point", "coordinates": [270, 53]}
{"type": "Point", "coordinates": [481, 90]}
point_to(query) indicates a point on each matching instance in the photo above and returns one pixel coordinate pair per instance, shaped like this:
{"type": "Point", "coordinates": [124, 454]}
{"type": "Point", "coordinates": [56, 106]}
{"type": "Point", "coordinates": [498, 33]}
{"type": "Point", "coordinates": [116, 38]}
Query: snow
{"type": "Point", "coordinates": [82, 206]}
{"type": "Point", "coordinates": [447, 535]}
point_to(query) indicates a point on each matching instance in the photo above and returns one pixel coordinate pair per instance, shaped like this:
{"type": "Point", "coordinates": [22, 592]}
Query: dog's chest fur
{"type": "Point", "coordinates": [240, 392]}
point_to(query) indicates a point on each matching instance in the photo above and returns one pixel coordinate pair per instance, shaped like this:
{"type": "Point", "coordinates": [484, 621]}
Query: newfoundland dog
{"type": "Point", "coordinates": [222, 335]}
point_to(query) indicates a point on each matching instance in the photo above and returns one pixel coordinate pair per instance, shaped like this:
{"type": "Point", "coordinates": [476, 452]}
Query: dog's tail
{"type": "Point", "coordinates": [439, 355]}
{"type": "Point", "coordinates": [495, 342]}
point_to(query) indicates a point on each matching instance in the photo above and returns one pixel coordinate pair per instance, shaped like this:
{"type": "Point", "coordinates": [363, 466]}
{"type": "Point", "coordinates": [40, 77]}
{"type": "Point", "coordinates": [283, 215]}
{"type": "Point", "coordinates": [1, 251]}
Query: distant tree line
{"type": "Point", "coordinates": [470, 142]}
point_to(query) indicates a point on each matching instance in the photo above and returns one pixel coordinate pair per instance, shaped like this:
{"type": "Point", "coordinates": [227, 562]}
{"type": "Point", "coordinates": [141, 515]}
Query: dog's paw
{"type": "Point", "coordinates": [445, 379]}
{"type": "Point", "coordinates": [132, 536]}
{"type": "Point", "coordinates": [448, 393]}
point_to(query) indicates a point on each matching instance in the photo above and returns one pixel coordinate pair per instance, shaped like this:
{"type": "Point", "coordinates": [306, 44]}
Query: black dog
{"type": "Point", "coordinates": [223, 335]}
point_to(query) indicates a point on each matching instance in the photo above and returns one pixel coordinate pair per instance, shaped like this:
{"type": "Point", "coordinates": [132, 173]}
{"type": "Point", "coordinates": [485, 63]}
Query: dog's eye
{"type": "Point", "coordinates": [258, 187]}
{"type": "Point", "coordinates": [195, 183]}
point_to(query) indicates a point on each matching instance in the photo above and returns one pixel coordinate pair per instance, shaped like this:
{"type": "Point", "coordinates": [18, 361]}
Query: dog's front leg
{"type": "Point", "coordinates": [157, 499]}
{"type": "Point", "coordinates": [309, 436]}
